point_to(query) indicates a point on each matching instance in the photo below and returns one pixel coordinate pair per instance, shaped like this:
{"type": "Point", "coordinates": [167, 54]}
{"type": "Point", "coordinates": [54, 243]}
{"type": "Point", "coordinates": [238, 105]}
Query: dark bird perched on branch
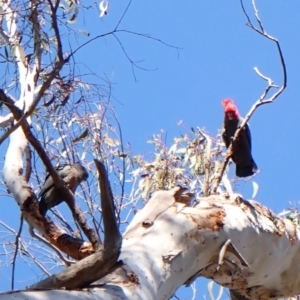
{"type": "Point", "coordinates": [50, 195]}
{"type": "Point", "coordinates": [241, 153]}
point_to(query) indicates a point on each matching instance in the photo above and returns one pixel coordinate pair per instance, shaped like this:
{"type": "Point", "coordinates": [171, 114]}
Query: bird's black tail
{"type": "Point", "coordinates": [245, 171]}
{"type": "Point", "coordinates": [43, 207]}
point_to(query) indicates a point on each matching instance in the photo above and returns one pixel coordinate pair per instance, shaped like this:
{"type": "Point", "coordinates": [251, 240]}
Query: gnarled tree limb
{"type": "Point", "coordinates": [169, 243]}
{"type": "Point", "coordinates": [90, 269]}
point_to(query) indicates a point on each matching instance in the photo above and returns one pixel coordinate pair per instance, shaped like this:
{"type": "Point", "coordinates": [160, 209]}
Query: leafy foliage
{"type": "Point", "coordinates": [186, 162]}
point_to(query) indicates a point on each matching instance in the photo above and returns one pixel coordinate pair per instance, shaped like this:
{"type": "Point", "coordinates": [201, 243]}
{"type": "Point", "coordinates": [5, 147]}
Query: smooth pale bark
{"type": "Point", "coordinates": [169, 244]}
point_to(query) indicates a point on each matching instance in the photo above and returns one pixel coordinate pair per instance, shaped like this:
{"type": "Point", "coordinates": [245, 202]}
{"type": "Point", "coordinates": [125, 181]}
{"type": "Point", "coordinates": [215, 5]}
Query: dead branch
{"type": "Point", "coordinates": [15, 254]}
{"type": "Point", "coordinates": [112, 236]}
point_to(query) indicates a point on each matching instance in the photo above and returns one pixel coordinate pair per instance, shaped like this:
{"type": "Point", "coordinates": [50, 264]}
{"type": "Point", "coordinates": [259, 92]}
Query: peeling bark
{"type": "Point", "coordinates": [239, 244]}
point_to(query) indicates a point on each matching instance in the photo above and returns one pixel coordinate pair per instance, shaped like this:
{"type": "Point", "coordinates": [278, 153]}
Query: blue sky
{"type": "Point", "coordinates": [215, 60]}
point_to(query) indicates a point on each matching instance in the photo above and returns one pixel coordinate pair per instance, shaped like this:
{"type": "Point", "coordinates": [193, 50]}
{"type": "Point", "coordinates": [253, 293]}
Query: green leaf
{"type": "Point", "coordinates": [210, 291]}
{"type": "Point", "coordinates": [172, 149]}
{"type": "Point", "coordinates": [255, 189]}
{"type": "Point", "coordinates": [110, 142]}
{"type": "Point", "coordinates": [181, 150]}
{"type": "Point", "coordinates": [193, 161]}
{"type": "Point", "coordinates": [84, 32]}
{"type": "Point", "coordinates": [82, 136]}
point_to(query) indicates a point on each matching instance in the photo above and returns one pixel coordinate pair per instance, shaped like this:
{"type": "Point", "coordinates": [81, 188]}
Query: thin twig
{"type": "Point", "coordinates": [25, 251]}
{"type": "Point", "coordinates": [16, 253]}
{"type": "Point", "coordinates": [59, 254]}
{"type": "Point", "coordinates": [56, 30]}
{"type": "Point", "coordinates": [123, 15]}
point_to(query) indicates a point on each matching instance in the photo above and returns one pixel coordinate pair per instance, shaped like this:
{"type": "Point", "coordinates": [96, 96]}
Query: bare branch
{"type": "Point", "coordinates": [15, 254]}
{"type": "Point", "coordinates": [78, 215]}
{"type": "Point", "coordinates": [112, 236]}
{"type": "Point", "coordinates": [54, 24]}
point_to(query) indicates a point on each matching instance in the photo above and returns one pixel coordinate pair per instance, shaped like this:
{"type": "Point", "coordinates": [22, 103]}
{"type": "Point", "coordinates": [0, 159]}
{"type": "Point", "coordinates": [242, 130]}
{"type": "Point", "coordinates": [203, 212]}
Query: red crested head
{"type": "Point", "coordinates": [231, 112]}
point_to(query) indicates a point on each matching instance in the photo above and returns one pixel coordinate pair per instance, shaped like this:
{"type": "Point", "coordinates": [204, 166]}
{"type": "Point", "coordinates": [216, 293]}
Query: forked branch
{"type": "Point", "coordinates": [97, 265]}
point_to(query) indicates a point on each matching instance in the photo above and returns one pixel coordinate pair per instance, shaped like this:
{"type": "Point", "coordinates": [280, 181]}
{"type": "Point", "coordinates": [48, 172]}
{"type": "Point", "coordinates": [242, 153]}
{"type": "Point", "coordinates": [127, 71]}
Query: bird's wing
{"type": "Point", "coordinates": [225, 138]}
{"type": "Point", "coordinates": [248, 135]}
{"type": "Point", "coordinates": [48, 184]}
{"type": "Point", "coordinates": [62, 170]}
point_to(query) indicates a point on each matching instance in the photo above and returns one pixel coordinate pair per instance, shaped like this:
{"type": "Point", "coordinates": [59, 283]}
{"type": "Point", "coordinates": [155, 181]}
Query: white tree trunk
{"type": "Point", "coordinates": [239, 244]}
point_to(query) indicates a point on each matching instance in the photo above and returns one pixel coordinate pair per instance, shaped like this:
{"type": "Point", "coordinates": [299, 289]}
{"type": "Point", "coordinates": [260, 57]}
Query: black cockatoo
{"type": "Point", "coordinates": [72, 175]}
{"type": "Point", "coordinates": [241, 154]}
